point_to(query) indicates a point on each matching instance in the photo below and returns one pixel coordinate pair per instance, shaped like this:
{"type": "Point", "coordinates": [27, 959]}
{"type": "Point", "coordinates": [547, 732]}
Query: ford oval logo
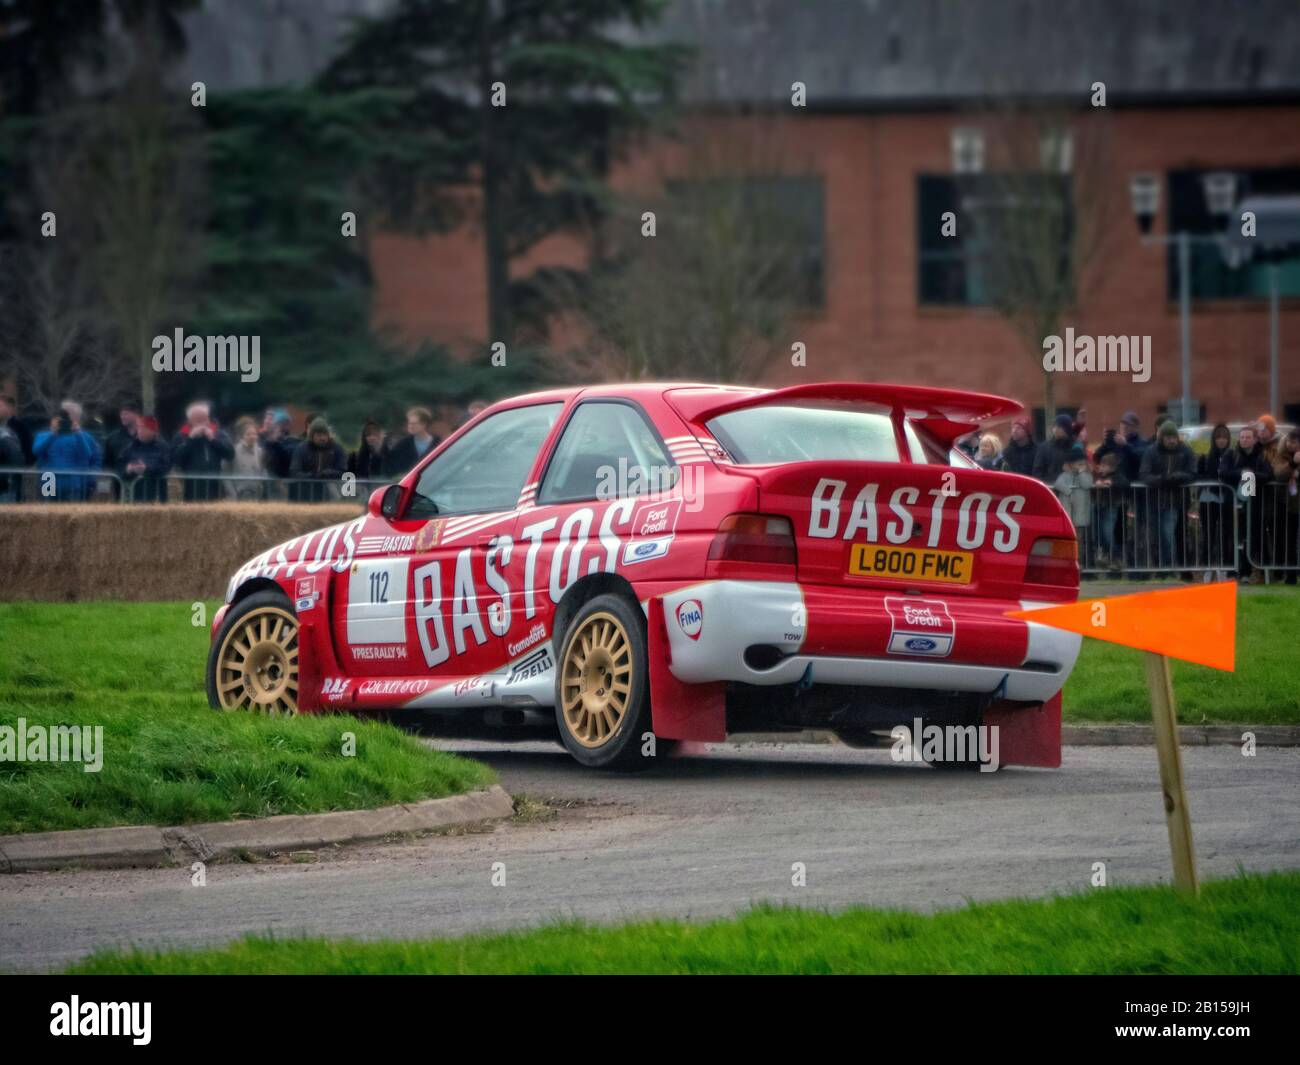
{"type": "Point", "coordinates": [920, 643]}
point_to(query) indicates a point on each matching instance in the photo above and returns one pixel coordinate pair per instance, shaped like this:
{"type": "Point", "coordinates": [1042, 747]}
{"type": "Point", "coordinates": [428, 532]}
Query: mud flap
{"type": "Point", "coordinates": [1028, 735]}
{"type": "Point", "coordinates": [680, 711]}
{"type": "Point", "coordinates": [316, 661]}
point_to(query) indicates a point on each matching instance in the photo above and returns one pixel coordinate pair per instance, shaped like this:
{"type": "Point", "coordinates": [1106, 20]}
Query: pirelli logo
{"type": "Point", "coordinates": [534, 665]}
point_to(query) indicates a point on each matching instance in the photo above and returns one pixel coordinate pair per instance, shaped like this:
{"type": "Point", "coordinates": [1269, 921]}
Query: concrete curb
{"type": "Point", "coordinates": [1117, 735]}
{"type": "Point", "coordinates": [145, 845]}
{"type": "Point", "coordinates": [1188, 735]}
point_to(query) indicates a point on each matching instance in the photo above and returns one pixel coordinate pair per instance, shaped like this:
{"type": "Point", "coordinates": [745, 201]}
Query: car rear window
{"type": "Point", "coordinates": [775, 433]}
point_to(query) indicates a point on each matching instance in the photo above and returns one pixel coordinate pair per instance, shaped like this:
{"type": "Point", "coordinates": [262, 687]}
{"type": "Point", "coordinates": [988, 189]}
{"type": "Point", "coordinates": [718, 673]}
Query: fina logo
{"type": "Point", "coordinates": [920, 643]}
{"type": "Point", "coordinates": [690, 616]}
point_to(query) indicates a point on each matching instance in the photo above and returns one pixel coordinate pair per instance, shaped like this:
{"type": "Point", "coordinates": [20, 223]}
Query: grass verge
{"type": "Point", "coordinates": [1250, 924]}
{"type": "Point", "coordinates": [1108, 683]}
{"type": "Point", "coordinates": [168, 759]}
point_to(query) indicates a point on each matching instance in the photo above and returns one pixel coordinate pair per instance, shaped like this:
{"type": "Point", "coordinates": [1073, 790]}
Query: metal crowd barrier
{"type": "Point", "coordinates": [241, 487]}
{"type": "Point", "coordinates": [26, 484]}
{"type": "Point", "coordinates": [1271, 541]}
{"type": "Point", "coordinates": [1203, 528]}
{"type": "Point", "coordinates": [1146, 530]}
{"type": "Point", "coordinates": [23, 484]}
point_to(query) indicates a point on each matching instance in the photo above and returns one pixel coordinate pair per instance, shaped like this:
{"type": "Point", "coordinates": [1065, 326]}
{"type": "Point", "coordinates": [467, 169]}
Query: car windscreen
{"type": "Point", "coordinates": [783, 433]}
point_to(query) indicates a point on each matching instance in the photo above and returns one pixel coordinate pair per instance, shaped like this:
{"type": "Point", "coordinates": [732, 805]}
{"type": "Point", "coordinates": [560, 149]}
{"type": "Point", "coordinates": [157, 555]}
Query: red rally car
{"type": "Point", "coordinates": [659, 562]}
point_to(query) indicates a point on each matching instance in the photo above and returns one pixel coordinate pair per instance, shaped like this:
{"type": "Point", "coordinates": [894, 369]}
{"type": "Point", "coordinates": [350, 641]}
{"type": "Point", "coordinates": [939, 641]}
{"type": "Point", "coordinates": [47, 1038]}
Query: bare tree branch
{"type": "Point", "coordinates": [715, 291]}
{"type": "Point", "coordinates": [1042, 216]}
{"type": "Point", "coordinates": [53, 336]}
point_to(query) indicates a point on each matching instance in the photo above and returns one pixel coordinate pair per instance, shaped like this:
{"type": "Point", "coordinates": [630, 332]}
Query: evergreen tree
{"type": "Point", "coordinates": [286, 259]}
{"type": "Point", "coordinates": [527, 101]}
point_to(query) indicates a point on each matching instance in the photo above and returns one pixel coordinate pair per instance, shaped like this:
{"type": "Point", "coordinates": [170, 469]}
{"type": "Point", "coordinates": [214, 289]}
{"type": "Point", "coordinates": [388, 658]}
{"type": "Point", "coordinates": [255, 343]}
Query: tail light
{"type": "Point", "coordinates": [766, 539]}
{"type": "Point", "coordinates": [1053, 561]}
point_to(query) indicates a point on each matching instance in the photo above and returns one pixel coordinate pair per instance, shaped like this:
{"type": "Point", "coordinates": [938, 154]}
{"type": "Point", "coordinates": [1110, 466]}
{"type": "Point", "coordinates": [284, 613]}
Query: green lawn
{"type": "Point", "coordinates": [1250, 924]}
{"type": "Point", "coordinates": [1109, 684]}
{"type": "Point", "coordinates": [137, 670]}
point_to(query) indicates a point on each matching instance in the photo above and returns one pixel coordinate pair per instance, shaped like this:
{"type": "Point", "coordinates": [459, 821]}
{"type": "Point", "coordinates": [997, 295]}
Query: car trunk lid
{"type": "Point", "coordinates": [862, 472]}
{"type": "Point", "coordinates": [912, 527]}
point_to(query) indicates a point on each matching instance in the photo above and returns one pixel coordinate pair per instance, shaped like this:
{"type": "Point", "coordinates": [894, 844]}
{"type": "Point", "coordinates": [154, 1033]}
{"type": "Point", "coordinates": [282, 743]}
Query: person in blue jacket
{"type": "Point", "coordinates": [65, 446]}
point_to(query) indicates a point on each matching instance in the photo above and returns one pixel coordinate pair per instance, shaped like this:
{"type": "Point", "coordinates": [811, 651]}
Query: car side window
{"type": "Point", "coordinates": [608, 450]}
{"type": "Point", "coordinates": [484, 470]}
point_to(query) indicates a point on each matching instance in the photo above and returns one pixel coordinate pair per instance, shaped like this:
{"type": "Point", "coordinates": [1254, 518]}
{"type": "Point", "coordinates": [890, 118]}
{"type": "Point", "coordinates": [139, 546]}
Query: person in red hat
{"type": "Point", "coordinates": [145, 462]}
{"type": "Point", "coordinates": [1266, 434]}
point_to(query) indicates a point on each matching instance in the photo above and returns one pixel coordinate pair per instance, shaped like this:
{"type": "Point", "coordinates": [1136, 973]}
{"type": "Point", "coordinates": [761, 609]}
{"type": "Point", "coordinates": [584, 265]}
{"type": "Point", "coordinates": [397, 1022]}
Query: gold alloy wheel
{"type": "Point", "coordinates": [596, 683]}
{"type": "Point", "coordinates": [257, 668]}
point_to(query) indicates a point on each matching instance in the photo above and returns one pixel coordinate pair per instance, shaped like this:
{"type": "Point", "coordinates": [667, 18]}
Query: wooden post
{"type": "Point", "coordinates": [1165, 718]}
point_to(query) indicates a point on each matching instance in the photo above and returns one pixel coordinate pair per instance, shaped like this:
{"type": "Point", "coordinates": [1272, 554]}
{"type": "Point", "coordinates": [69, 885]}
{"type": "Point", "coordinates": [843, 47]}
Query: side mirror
{"type": "Point", "coordinates": [385, 502]}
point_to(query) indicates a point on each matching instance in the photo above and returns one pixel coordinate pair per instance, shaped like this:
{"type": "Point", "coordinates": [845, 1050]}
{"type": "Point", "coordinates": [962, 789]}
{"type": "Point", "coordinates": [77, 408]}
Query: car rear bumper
{"type": "Point", "coordinates": [758, 632]}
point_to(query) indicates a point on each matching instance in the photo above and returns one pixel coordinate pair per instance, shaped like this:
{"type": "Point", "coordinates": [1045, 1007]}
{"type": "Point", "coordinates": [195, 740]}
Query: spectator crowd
{"type": "Point", "coordinates": [1138, 503]}
{"type": "Point", "coordinates": [1144, 504]}
{"type": "Point", "coordinates": [253, 460]}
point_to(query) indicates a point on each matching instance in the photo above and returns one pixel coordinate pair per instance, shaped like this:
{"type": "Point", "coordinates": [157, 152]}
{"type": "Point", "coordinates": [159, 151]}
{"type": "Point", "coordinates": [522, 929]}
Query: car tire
{"type": "Point", "coordinates": [253, 662]}
{"type": "Point", "coordinates": [602, 685]}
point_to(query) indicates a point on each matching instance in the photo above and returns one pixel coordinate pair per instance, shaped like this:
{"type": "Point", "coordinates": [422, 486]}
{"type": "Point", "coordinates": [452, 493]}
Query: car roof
{"type": "Point", "coordinates": [909, 394]}
{"type": "Point", "coordinates": [947, 413]}
{"type": "Point", "coordinates": [658, 388]}
{"type": "Point", "coordinates": [638, 390]}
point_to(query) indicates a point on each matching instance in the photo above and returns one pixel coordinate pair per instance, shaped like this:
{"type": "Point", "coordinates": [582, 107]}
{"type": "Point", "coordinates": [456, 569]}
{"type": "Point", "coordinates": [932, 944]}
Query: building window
{"type": "Point", "coordinates": [967, 150]}
{"type": "Point", "coordinates": [996, 254]}
{"type": "Point", "coordinates": [801, 201]}
{"type": "Point", "coordinates": [1212, 278]}
{"type": "Point", "coordinates": [1056, 151]}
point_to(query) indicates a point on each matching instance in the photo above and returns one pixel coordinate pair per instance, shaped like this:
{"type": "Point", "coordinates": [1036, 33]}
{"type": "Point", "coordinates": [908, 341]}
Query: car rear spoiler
{"type": "Point", "coordinates": [945, 412]}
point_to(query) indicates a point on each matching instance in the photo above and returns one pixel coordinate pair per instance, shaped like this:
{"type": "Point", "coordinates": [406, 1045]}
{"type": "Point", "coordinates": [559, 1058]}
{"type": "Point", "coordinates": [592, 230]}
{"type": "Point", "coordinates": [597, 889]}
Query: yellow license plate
{"type": "Point", "coordinates": [910, 563]}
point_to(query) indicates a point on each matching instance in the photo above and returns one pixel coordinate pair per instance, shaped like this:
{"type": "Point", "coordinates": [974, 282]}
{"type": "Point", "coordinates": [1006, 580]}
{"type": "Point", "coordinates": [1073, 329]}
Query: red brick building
{"type": "Point", "coordinates": [897, 100]}
{"type": "Point", "coordinates": [1190, 88]}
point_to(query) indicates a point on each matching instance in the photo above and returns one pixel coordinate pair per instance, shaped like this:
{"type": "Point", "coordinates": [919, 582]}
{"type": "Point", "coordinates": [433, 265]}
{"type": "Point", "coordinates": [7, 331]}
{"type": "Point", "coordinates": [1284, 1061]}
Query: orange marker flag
{"type": "Point", "coordinates": [1197, 623]}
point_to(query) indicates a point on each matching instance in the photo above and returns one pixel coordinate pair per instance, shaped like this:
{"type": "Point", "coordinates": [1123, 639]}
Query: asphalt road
{"type": "Point", "coordinates": [706, 835]}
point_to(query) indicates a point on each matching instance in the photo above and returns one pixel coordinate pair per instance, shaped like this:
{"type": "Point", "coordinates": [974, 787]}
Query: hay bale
{"type": "Point", "coordinates": [36, 555]}
{"type": "Point", "coordinates": [71, 552]}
